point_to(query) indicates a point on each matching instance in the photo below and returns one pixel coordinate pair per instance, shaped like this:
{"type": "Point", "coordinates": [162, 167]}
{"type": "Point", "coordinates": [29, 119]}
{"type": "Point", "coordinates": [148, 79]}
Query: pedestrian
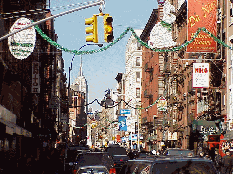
{"type": "Point", "coordinates": [218, 160]}
{"type": "Point", "coordinates": [227, 162]}
{"type": "Point", "coordinates": [131, 155]}
{"type": "Point", "coordinates": [212, 153]}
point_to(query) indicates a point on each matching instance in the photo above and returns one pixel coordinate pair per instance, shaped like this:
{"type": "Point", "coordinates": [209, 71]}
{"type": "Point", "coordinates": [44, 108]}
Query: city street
{"type": "Point", "coordinates": [81, 79]}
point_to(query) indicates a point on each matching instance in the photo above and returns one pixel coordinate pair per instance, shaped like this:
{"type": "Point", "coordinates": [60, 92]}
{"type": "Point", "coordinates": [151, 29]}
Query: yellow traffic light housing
{"type": "Point", "coordinates": [92, 29]}
{"type": "Point", "coordinates": [108, 29]}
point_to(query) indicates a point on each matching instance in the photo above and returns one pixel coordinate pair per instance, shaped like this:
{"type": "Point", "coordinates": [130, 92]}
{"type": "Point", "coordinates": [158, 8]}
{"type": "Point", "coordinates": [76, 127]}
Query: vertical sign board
{"type": "Point", "coordinates": [202, 14]}
{"type": "Point", "coordinates": [122, 123]}
{"type": "Point", "coordinates": [201, 75]}
{"type": "Point", "coordinates": [35, 77]}
{"type": "Point", "coordinates": [22, 44]}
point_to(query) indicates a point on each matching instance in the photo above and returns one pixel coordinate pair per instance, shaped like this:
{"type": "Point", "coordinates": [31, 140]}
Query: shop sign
{"type": "Point", "coordinates": [35, 77]}
{"type": "Point", "coordinates": [202, 14]}
{"type": "Point", "coordinates": [22, 44]}
{"type": "Point", "coordinates": [200, 75]}
{"type": "Point", "coordinates": [205, 128]}
{"type": "Point", "coordinates": [172, 136]}
{"type": "Point", "coordinates": [162, 104]}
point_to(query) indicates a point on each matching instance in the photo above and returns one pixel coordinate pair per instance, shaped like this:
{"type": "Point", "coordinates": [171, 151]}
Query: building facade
{"type": "Point", "coordinates": [27, 86]}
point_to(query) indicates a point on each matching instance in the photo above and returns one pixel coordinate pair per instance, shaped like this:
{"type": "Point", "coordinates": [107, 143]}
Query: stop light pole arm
{"type": "Point", "coordinates": [55, 16]}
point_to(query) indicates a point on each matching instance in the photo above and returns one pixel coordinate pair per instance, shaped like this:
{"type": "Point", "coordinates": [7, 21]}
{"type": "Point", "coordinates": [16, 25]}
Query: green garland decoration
{"type": "Point", "coordinates": [76, 52]}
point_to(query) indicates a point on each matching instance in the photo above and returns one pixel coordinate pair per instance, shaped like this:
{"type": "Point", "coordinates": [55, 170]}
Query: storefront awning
{"type": "Point", "coordinates": [228, 135]}
{"type": "Point", "coordinates": [205, 127]}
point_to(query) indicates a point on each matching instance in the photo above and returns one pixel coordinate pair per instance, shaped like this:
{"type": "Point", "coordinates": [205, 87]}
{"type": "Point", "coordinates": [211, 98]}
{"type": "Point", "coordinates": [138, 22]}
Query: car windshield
{"type": "Point", "coordinates": [116, 151]}
{"type": "Point", "coordinates": [89, 159]}
{"type": "Point", "coordinates": [93, 170]}
{"type": "Point", "coordinates": [184, 167]}
{"type": "Point", "coordinates": [178, 152]}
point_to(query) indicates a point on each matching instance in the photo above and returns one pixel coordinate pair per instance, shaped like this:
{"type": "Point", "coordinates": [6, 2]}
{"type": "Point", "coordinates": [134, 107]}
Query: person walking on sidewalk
{"type": "Point", "coordinates": [218, 160]}
{"type": "Point", "coordinates": [227, 163]}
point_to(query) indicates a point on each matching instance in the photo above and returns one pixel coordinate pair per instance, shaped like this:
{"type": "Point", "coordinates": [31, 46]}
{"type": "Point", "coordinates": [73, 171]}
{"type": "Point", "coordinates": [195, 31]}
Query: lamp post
{"type": "Point", "coordinates": [70, 68]}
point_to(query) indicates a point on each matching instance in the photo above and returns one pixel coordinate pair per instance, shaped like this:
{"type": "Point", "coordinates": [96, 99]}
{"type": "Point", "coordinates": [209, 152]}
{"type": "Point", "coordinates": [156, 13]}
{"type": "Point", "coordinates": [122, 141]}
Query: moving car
{"type": "Point", "coordinates": [91, 161]}
{"type": "Point", "coordinates": [169, 165]}
{"type": "Point", "coordinates": [118, 154]}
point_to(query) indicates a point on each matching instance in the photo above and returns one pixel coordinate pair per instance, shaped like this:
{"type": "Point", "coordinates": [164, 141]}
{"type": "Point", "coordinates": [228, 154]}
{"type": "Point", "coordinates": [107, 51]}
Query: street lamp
{"type": "Point", "coordinates": [70, 68]}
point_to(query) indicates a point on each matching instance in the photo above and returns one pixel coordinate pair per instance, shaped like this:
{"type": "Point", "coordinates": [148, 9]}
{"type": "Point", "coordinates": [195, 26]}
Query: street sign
{"type": "Point", "coordinates": [125, 111]}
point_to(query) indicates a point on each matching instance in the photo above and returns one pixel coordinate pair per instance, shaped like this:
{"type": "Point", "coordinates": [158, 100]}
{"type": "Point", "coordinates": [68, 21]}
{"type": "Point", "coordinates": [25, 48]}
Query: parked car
{"type": "Point", "coordinates": [93, 159]}
{"type": "Point", "coordinates": [118, 154]}
{"type": "Point", "coordinates": [169, 165]}
{"type": "Point", "coordinates": [178, 152]}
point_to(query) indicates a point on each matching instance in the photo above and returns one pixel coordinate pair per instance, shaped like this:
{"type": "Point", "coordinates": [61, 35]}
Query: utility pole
{"type": "Point", "coordinates": [90, 4]}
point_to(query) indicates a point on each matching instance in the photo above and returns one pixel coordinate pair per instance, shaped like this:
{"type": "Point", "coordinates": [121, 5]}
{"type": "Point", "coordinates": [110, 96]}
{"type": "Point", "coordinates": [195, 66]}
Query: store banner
{"type": "Point", "coordinates": [122, 123]}
{"type": "Point", "coordinates": [202, 14]}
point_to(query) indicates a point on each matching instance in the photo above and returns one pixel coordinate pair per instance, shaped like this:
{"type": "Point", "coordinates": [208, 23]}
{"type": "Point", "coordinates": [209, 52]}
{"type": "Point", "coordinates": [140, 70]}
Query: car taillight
{"type": "Point", "coordinates": [74, 171]}
{"type": "Point", "coordinates": [112, 171]}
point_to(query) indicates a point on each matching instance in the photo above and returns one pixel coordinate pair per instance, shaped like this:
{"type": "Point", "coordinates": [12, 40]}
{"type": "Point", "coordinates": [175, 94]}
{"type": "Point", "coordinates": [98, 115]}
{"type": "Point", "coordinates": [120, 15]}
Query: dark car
{"type": "Point", "coordinates": [118, 154]}
{"type": "Point", "coordinates": [135, 166]}
{"type": "Point", "coordinates": [97, 169]}
{"type": "Point", "coordinates": [169, 165]}
{"type": "Point", "coordinates": [94, 159]}
{"type": "Point", "coordinates": [71, 155]}
{"type": "Point", "coordinates": [178, 152]}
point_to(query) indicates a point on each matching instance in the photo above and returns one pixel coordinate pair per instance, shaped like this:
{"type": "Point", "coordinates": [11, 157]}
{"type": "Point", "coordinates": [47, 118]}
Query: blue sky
{"type": "Point", "coordinates": [100, 69]}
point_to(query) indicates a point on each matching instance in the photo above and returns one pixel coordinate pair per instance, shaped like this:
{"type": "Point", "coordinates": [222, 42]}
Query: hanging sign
{"type": "Point", "coordinates": [22, 44]}
{"type": "Point", "coordinates": [200, 75]}
{"type": "Point", "coordinates": [122, 123]}
{"type": "Point", "coordinates": [202, 14]}
{"type": "Point", "coordinates": [162, 104]}
{"type": "Point", "coordinates": [35, 77]}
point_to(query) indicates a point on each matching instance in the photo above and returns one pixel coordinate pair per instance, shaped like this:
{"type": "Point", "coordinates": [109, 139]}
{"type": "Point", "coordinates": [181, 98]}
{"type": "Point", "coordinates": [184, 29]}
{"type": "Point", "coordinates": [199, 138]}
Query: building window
{"type": "Point", "coordinates": [139, 46]}
{"type": "Point", "coordinates": [138, 61]}
{"type": "Point", "coordinates": [138, 78]}
{"type": "Point", "coordinates": [138, 94]}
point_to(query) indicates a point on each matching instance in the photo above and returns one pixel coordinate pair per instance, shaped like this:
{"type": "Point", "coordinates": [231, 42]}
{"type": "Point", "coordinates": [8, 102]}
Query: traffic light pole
{"type": "Point", "coordinates": [101, 2]}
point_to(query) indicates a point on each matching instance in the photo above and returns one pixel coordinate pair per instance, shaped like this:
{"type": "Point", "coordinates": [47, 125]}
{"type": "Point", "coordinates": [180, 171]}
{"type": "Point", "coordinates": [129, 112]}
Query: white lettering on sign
{"type": "Point", "coordinates": [35, 78]}
{"type": "Point", "coordinates": [208, 130]}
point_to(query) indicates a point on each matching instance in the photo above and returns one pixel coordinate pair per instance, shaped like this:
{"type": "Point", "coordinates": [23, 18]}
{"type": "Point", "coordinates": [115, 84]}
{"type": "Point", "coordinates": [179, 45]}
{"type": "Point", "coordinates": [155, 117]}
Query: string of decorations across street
{"type": "Point", "coordinates": [176, 48]}
{"type": "Point", "coordinates": [173, 49]}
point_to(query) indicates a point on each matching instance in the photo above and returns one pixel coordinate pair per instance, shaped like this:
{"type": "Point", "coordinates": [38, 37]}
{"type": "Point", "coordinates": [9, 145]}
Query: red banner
{"type": "Point", "coordinates": [202, 14]}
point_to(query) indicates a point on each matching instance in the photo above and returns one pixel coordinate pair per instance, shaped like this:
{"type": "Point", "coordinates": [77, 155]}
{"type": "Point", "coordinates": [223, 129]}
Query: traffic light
{"type": "Point", "coordinates": [92, 29]}
{"type": "Point", "coordinates": [108, 29]}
